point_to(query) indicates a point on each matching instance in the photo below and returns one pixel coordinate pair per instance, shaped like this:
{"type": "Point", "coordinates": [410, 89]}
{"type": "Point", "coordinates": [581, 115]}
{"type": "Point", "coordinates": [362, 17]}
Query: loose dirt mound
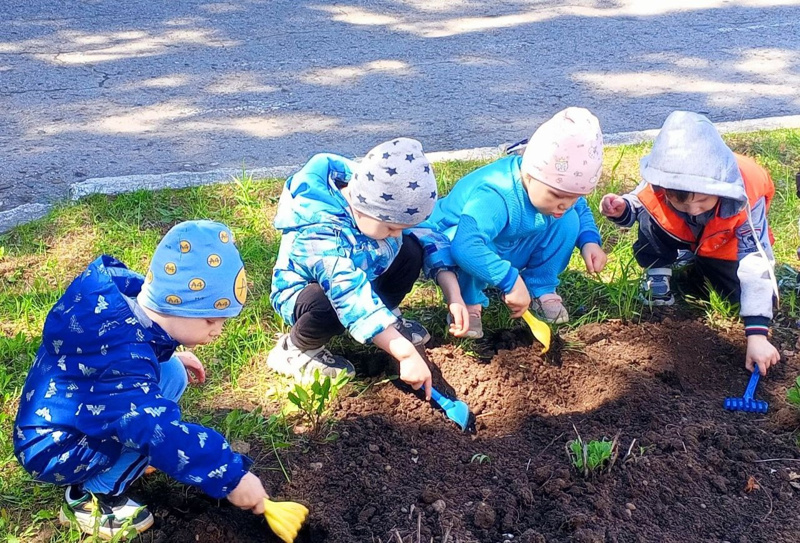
{"type": "Point", "coordinates": [400, 469]}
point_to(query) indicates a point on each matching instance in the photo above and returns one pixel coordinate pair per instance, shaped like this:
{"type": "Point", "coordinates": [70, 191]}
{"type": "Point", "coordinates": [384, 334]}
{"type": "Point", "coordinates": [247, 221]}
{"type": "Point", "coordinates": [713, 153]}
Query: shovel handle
{"type": "Point", "coordinates": [443, 401]}
{"type": "Point", "coordinates": [751, 386]}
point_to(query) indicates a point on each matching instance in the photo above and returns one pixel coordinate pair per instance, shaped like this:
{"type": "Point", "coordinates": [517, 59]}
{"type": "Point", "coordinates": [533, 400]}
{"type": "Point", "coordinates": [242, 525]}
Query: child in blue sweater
{"type": "Point", "coordinates": [514, 223]}
{"type": "Point", "coordinates": [100, 401]}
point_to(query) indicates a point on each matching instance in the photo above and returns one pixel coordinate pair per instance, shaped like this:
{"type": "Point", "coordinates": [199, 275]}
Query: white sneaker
{"type": "Point", "coordinates": [550, 308]}
{"type": "Point", "coordinates": [287, 359]}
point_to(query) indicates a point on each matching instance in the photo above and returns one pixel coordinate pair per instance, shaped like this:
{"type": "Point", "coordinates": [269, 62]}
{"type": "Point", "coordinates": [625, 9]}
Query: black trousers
{"type": "Point", "coordinates": [316, 321]}
{"type": "Point", "coordinates": [655, 248]}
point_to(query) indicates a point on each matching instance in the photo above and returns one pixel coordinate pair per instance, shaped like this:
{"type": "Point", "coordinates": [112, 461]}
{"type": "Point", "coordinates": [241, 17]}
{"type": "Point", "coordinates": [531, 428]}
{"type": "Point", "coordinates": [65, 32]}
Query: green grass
{"type": "Point", "coordinates": [38, 260]}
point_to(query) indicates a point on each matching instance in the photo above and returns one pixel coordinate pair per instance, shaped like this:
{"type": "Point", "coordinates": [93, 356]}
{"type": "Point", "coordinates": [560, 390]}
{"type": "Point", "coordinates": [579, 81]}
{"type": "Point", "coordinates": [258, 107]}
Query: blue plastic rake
{"type": "Point", "coordinates": [746, 402]}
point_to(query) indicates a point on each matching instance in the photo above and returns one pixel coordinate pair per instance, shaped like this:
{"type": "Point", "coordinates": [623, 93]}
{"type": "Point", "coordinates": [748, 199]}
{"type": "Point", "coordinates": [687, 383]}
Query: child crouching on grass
{"type": "Point", "coordinates": [699, 198]}
{"type": "Point", "coordinates": [345, 262]}
{"type": "Point", "coordinates": [100, 401]}
{"type": "Point", "coordinates": [514, 223]}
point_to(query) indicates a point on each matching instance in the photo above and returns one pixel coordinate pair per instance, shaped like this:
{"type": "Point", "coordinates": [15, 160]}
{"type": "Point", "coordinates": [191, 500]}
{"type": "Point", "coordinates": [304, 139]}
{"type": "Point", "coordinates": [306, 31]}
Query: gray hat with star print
{"type": "Point", "coordinates": [394, 183]}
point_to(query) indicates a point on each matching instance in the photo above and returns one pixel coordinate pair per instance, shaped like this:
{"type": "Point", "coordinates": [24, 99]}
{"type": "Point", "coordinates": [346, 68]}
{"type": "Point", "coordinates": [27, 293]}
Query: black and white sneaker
{"type": "Point", "coordinates": [105, 515]}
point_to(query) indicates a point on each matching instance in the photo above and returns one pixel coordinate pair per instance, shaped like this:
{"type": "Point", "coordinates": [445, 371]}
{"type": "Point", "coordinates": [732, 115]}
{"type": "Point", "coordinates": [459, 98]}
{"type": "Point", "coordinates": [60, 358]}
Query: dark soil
{"type": "Point", "coordinates": [401, 472]}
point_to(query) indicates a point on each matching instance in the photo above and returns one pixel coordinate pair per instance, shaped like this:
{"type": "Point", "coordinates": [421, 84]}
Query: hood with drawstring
{"type": "Point", "coordinates": [690, 155]}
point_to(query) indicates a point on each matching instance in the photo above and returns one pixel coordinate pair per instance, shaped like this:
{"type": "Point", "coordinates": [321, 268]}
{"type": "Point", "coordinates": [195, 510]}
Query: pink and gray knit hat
{"type": "Point", "coordinates": [394, 183]}
{"type": "Point", "coordinates": [566, 152]}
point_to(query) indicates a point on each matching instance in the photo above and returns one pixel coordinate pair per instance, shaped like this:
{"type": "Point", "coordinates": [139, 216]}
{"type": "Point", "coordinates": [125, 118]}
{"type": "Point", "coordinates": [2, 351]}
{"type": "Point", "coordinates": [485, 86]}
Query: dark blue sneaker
{"type": "Point", "coordinates": [412, 331]}
{"type": "Point", "coordinates": [655, 289]}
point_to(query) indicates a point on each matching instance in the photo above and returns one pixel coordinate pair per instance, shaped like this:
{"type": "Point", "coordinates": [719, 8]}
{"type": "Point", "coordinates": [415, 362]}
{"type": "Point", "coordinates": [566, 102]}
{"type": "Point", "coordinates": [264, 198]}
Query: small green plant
{"type": "Point", "coordinates": [590, 457]}
{"type": "Point", "coordinates": [720, 312]}
{"type": "Point", "coordinates": [793, 393]}
{"type": "Point", "coordinates": [480, 458]}
{"type": "Point", "coordinates": [313, 401]}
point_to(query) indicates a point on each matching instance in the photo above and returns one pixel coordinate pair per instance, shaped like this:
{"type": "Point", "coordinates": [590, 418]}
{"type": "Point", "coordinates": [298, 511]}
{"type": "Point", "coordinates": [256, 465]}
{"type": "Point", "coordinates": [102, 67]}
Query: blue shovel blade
{"type": "Point", "coordinates": [456, 410]}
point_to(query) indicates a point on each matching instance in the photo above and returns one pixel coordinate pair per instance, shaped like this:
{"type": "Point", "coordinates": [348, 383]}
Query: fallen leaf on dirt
{"type": "Point", "coordinates": [751, 485]}
{"type": "Point", "coordinates": [793, 476]}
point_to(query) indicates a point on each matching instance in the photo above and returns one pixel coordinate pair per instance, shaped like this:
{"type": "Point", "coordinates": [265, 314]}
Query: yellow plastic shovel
{"type": "Point", "coordinates": [540, 329]}
{"type": "Point", "coordinates": [285, 518]}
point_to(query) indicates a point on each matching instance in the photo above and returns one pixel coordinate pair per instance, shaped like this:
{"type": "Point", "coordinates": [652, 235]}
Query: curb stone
{"type": "Point", "coordinates": [175, 180]}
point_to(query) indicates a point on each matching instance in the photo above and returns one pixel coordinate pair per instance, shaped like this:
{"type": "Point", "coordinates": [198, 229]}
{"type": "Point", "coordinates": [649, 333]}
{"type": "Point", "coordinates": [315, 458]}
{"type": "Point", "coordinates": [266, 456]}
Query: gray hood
{"type": "Point", "coordinates": [689, 155]}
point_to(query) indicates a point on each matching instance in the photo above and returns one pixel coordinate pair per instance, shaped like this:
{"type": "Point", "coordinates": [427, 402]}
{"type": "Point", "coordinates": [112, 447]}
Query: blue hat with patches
{"type": "Point", "coordinates": [196, 271]}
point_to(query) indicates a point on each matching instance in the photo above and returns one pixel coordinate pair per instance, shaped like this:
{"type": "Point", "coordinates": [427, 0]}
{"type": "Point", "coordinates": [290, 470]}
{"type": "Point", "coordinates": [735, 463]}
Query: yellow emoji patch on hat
{"type": "Point", "coordinates": [222, 303]}
{"type": "Point", "coordinates": [214, 261]}
{"type": "Point", "coordinates": [170, 268]}
{"type": "Point", "coordinates": [224, 237]}
{"type": "Point", "coordinates": [149, 277]}
{"type": "Point", "coordinates": [185, 246]}
{"type": "Point", "coordinates": [173, 300]}
{"type": "Point", "coordinates": [197, 284]}
{"type": "Point", "coordinates": [240, 286]}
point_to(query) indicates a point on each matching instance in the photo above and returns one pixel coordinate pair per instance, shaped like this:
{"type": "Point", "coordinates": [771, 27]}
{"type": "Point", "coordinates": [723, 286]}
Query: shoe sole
{"type": "Point", "coordinates": [657, 303]}
{"type": "Point", "coordinates": [557, 320]}
{"type": "Point", "coordinates": [103, 531]}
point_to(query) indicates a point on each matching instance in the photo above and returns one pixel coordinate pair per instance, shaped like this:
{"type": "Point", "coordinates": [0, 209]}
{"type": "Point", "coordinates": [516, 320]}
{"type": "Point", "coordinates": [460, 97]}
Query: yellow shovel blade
{"type": "Point", "coordinates": [540, 330]}
{"type": "Point", "coordinates": [285, 518]}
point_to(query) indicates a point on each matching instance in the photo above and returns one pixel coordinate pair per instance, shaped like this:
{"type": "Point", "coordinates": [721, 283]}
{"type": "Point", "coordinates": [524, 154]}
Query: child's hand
{"type": "Point", "coordinates": [519, 299]}
{"type": "Point", "coordinates": [249, 494]}
{"type": "Point", "coordinates": [760, 351]}
{"type": "Point", "coordinates": [613, 206]}
{"type": "Point", "coordinates": [413, 369]}
{"type": "Point", "coordinates": [415, 372]}
{"type": "Point", "coordinates": [594, 256]}
{"type": "Point", "coordinates": [448, 281]}
{"type": "Point", "coordinates": [195, 369]}
{"type": "Point", "coordinates": [460, 322]}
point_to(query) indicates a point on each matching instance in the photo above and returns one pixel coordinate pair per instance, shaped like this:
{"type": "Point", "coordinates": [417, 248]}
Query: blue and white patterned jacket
{"type": "Point", "coordinates": [322, 244]}
{"type": "Point", "coordinates": [92, 393]}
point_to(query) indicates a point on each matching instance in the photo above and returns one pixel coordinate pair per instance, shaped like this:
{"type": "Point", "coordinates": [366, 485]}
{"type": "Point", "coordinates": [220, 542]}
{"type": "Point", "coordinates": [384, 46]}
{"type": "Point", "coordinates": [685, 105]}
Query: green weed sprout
{"type": "Point", "coordinates": [314, 401]}
{"type": "Point", "coordinates": [480, 458]}
{"type": "Point", "coordinates": [793, 393]}
{"type": "Point", "coordinates": [592, 456]}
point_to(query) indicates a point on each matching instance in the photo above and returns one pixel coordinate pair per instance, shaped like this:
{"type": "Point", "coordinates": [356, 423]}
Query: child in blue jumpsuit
{"type": "Point", "coordinates": [513, 224]}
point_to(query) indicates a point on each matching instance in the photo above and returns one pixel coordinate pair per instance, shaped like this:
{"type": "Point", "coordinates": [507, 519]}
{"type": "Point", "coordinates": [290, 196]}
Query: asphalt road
{"type": "Point", "coordinates": [99, 88]}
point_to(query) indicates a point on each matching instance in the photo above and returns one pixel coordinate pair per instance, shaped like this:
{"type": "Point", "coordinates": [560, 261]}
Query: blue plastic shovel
{"type": "Point", "coordinates": [456, 410]}
{"type": "Point", "coordinates": [746, 402]}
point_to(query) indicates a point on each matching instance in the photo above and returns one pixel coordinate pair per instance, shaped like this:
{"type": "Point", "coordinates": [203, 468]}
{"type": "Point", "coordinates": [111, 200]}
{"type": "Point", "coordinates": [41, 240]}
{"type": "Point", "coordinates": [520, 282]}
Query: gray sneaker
{"type": "Point", "coordinates": [287, 359]}
{"type": "Point", "coordinates": [412, 331]}
{"type": "Point", "coordinates": [550, 308]}
{"type": "Point", "coordinates": [655, 289]}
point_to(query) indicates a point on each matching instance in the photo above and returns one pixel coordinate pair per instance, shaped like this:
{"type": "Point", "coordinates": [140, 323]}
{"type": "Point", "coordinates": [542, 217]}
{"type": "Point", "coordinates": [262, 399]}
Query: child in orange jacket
{"type": "Point", "coordinates": [700, 198]}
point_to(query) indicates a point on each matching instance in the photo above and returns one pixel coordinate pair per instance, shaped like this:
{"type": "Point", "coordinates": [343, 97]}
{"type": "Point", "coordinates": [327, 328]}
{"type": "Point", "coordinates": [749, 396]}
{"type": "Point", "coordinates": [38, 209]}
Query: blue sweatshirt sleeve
{"type": "Point", "coordinates": [484, 216]}
{"type": "Point", "coordinates": [128, 407]}
{"type": "Point", "coordinates": [435, 249]}
{"type": "Point", "coordinates": [588, 232]}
